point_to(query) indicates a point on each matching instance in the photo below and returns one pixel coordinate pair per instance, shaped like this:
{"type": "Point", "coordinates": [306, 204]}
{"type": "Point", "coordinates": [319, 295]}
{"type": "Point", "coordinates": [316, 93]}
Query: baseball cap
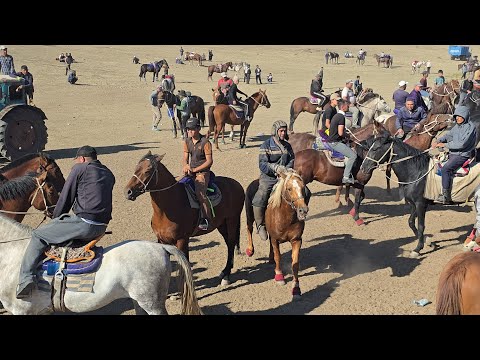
{"type": "Point", "coordinates": [223, 74]}
{"type": "Point", "coordinates": [192, 123]}
{"type": "Point", "coordinates": [335, 96]}
{"type": "Point", "coordinates": [402, 83]}
{"type": "Point", "coordinates": [3, 47]}
{"type": "Point", "coordinates": [86, 151]}
{"type": "Point", "coordinates": [418, 84]}
{"type": "Point", "coordinates": [349, 81]}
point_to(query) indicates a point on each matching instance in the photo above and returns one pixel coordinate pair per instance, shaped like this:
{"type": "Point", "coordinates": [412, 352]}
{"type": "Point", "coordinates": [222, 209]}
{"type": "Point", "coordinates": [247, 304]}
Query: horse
{"type": "Point", "coordinates": [135, 269]}
{"type": "Point", "coordinates": [472, 101]}
{"type": "Point", "coordinates": [135, 60]}
{"type": "Point", "coordinates": [416, 65]}
{"type": "Point", "coordinates": [285, 217]}
{"type": "Point", "coordinates": [361, 58]}
{"type": "Point", "coordinates": [37, 163]}
{"type": "Point", "coordinates": [197, 109]}
{"type": "Point", "coordinates": [191, 57]}
{"type": "Point", "coordinates": [386, 61]}
{"type": "Point", "coordinates": [443, 97]}
{"type": "Point", "coordinates": [334, 57]}
{"type": "Point", "coordinates": [312, 165]}
{"type": "Point", "coordinates": [218, 69]}
{"type": "Point", "coordinates": [19, 194]}
{"type": "Point", "coordinates": [223, 100]}
{"type": "Point", "coordinates": [458, 288]}
{"type": "Point", "coordinates": [224, 114]}
{"type": "Point", "coordinates": [154, 67]}
{"type": "Point", "coordinates": [411, 167]}
{"type": "Point", "coordinates": [174, 221]}
{"type": "Point", "coordinates": [302, 104]}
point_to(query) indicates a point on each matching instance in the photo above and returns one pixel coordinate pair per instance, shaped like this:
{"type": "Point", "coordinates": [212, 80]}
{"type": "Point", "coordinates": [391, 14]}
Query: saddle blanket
{"type": "Point", "coordinates": [77, 283]}
{"type": "Point", "coordinates": [314, 100]}
{"type": "Point", "coordinates": [463, 188]}
{"type": "Point", "coordinates": [238, 111]}
{"type": "Point", "coordinates": [213, 192]}
{"type": "Point", "coordinates": [383, 118]}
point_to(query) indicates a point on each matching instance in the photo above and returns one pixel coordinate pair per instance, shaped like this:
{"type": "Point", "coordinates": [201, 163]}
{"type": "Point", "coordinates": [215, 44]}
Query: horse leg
{"type": "Point", "coordinates": [245, 128]}
{"type": "Point", "coordinates": [250, 248]}
{"type": "Point", "coordinates": [355, 211]}
{"type": "Point", "coordinates": [279, 279]}
{"type": "Point", "coordinates": [215, 137]}
{"type": "Point", "coordinates": [228, 230]}
{"type": "Point", "coordinates": [296, 244]}
{"type": "Point", "coordinates": [223, 135]}
{"type": "Point", "coordinates": [242, 130]}
{"type": "Point", "coordinates": [231, 133]}
{"type": "Point", "coordinates": [421, 209]}
{"type": "Point", "coordinates": [337, 195]}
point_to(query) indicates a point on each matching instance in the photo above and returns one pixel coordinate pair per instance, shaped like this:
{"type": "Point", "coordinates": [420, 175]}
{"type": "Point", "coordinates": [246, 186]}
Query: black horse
{"type": "Point", "coordinates": [154, 67]}
{"type": "Point", "coordinates": [472, 101]}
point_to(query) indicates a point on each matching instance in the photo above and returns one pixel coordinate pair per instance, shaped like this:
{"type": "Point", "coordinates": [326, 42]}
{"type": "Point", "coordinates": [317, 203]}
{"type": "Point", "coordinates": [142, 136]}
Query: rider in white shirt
{"type": "Point", "coordinates": [348, 95]}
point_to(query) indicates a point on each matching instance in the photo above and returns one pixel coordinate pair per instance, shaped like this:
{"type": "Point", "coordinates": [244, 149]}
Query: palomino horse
{"type": "Point", "coordinates": [174, 221]}
{"type": "Point", "coordinates": [155, 68]}
{"type": "Point", "coordinates": [19, 194]}
{"type": "Point", "coordinates": [284, 219]}
{"type": "Point", "coordinates": [313, 165]}
{"type": "Point", "coordinates": [135, 269]}
{"type": "Point", "coordinates": [443, 97]}
{"type": "Point", "coordinates": [458, 287]}
{"type": "Point", "coordinates": [37, 163]}
{"type": "Point", "coordinates": [224, 114]}
{"type": "Point", "coordinates": [387, 61]}
{"type": "Point", "coordinates": [218, 69]}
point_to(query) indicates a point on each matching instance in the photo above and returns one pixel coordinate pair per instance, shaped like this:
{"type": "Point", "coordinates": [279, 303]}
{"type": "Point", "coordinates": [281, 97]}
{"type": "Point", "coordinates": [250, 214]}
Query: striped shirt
{"type": "Point", "coordinates": [6, 65]}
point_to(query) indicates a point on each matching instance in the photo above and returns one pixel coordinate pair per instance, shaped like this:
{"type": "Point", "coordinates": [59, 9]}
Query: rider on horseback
{"type": "Point", "coordinates": [316, 91]}
{"type": "Point", "coordinates": [276, 155]}
{"type": "Point", "coordinates": [233, 99]}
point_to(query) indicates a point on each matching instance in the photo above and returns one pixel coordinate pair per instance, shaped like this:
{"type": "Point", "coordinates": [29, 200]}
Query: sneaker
{"type": "Point", "coordinates": [348, 180]}
{"type": "Point", "coordinates": [26, 291]}
{"type": "Point", "coordinates": [203, 225]}
{"type": "Point", "coordinates": [262, 232]}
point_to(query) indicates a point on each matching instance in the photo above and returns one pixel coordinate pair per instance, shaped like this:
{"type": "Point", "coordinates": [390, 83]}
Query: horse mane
{"type": "Point", "coordinates": [449, 292]}
{"type": "Point", "coordinates": [276, 197]}
{"type": "Point", "coordinates": [18, 187]}
{"type": "Point", "coordinates": [421, 160]}
{"type": "Point", "coordinates": [26, 158]}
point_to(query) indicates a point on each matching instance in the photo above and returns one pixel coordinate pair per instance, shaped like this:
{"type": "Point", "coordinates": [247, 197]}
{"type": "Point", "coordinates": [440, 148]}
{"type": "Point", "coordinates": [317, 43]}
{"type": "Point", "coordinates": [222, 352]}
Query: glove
{"type": "Point", "coordinates": [279, 169]}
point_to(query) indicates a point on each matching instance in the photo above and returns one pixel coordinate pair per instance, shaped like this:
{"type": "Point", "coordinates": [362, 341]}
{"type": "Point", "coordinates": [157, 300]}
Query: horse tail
{"type": "Point", "coordinates": [185, 282]}
{"type": "Point", "coordinates": [141, 72]}
{"type": "Point", "coordinates": [201, 114]}
{"type": "Point", "coordinates": [211, 121]}
{"type": "Point", "coordinates": [292, 115]}
{"type": "Point", "coordinates": [449, 292]}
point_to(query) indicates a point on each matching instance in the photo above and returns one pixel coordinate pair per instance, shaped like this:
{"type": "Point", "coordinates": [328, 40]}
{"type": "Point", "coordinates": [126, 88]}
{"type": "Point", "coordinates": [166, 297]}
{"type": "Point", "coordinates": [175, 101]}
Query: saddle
{"type": "Point", "coordinates": [314, 100]}
{"type": "Point", "coordinates": [76, 250]}
{"type": "Point", "coordinates": [461, 171]}
{"type": "Point", "coordinates": [238, 110]}
{"type": "Point", "coordinates": [214, 194]}
{"type": "Point", "coordinates": [334, 157]}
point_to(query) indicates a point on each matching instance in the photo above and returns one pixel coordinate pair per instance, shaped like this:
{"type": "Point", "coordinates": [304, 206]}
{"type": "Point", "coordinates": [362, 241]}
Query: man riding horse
{"type": "Point", "coordinates": [316, 92]}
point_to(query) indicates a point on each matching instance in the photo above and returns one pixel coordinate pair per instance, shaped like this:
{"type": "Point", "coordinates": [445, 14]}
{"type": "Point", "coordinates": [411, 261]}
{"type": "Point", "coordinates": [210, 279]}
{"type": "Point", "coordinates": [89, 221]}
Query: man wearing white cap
{"type": "Point", "coordinates": [6, 62]}
{"type": "Point", "coordinates": [348, 95]}
{"type": "Point", "coordinates": [224, 83]}
{"type": "Point", "coordinates": [400, 96]}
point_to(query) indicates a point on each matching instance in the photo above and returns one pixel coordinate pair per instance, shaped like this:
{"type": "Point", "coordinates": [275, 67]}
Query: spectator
{"type": "Point", "coordinates": [258, 73]}
{"type": "Point", "coordinates": [349, 96]}
{"type": "Point", "coordinates": [428, 65]}
{"type": "Point", "coordinates": [247, 73]}
{"type": "Point", "coordinates": [68, 61]}
{"type": "Point", "coordinates": [24, 73]}
{"type": "Point", "coordinates": [464, 70]}
{"type": "Point", "coordinates": [327, 54]}
{"type": "Point", "coordinates": [6, 62]}
{"type": "Point", "coordinates": [157, 114]}
{"type": "Point", "coordinates": [440, 79]}
{"type": "Point", "coordinates": [357, 86]}
{"type": "Point", "coordinates": [72, 77]}
{"type": "Point", "coordinates": [181, 52]}
{"type": "Point", "coordinates": [423, 81]}
{"type": "Point", "coordinates": [270, 78]}
{"type": "Point", "coordinates": [400, 96]}
{"type": "Point", "coordinates": [210, 55]}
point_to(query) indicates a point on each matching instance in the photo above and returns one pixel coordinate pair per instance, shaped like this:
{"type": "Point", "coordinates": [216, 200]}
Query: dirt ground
{"type": "Point", "coordinates": [344, 268]}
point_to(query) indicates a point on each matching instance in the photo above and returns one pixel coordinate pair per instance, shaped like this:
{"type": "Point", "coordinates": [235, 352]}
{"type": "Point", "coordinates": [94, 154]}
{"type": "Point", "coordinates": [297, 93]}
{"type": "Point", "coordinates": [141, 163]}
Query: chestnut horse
{"type": "Point", "coordinates": [37, 163]}
{"type": "Point", "coordinates": [191, 57]}
{"type": "Point", "coordinates": [174, 222]}
{"type": "Point", "coordinates": [224, 114]}
{"type": "Point", "coordinates": [443, 97]}
{"type": "Point", "coordinates": [302, 104]}
{"type": "Point", "coordinates": [284, 219]}
{"type": "Point", "coordinates": [458, 288]}
{"type": "Point", "coordinates": [19, 194]}
{"type": "Point", "coordinates": [224, 100]}
{"type": "Point", "coordinates": [214, 68]}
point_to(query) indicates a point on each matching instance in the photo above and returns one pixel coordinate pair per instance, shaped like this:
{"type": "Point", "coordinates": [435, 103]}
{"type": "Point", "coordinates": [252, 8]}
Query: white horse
{"type": "Point", "coordinates": [139, 270]}
{"type": "Point", "coordinates": [371, 105]}
{"type": "Point", "coordinates": [416, 65]}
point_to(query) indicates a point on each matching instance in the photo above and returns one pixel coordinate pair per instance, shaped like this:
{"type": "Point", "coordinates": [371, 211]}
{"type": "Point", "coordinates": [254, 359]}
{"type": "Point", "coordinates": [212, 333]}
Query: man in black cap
{"type": "Point", "coordinates": [88, 189]}
{"type": "Point", "coordinates": [197, 161]}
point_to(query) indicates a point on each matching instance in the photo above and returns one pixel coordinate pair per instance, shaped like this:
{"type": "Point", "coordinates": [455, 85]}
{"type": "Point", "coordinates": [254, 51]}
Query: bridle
{"type": "Point", "coordinates": [431, 125]}
{"type": "Point", "coordinates": [261, 100]}
{"type": "Point", "coordinates": [155, 172]}
{"type": "Point", "coordinates": [291, 202]}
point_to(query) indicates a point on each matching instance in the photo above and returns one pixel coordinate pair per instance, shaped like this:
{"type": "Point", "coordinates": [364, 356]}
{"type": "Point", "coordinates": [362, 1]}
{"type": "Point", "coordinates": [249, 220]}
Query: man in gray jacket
{"type": "Point", "coordinates": [461, 142]}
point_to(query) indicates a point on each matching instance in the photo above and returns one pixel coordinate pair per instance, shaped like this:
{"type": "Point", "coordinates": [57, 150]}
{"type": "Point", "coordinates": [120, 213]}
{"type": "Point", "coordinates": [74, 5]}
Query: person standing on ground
{"type": "Point", "coordinates": [258, 73]}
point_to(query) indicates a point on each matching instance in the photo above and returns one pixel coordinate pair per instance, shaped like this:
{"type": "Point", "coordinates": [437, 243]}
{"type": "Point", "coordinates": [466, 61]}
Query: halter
{"type": "Point", "coordinates": [292, 202]}
{"type": "Point", "coordinates": [448, 92]}
{"type": "Point", "coordinates": [431, 125]}
{"type": "Point", "coordinates": [145, 185]}
{"type": "Point", "coordinates": [259, 103]}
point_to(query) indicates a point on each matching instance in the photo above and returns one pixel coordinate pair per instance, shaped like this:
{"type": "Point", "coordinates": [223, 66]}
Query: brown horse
{"type": "Point", "coordinates": [37, 163]}
{"type": "Point", "coordinates": [458, 288]}
{"type": "Point", "coordinates": [224, 114]}
{"type": "Point", "coordinates": [19, 194]}
{"type": "Point", "coordinates": [302, 104]}
{"type": "Point", "coordinates": [173, 220]}
{"type": "Point", "coordinates": [216, 96]}
{"type": "Point", "coordinates": [386, 61]}
{"type": "Point", "coordinates": [284, 219]}
{"type": "Point", "coordinates": [313, 165]}
{"type": "Point", "coordinates": [443, 97]}
{"type": "Point", "coordinates": [191, 57]}
{"type": "Point", "coordinates": [218, 69]}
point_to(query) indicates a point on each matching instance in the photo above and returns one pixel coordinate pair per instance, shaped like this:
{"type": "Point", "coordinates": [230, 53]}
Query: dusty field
{"type": "Point", "coordinates": [344, 269]}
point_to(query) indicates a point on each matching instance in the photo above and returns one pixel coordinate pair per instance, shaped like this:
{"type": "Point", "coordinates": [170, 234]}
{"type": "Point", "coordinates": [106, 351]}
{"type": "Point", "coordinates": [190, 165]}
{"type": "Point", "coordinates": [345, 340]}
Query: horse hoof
{"type": "Point", "coordinates": [468, 246]}
{"type": "Point", "coordinates": [359, 222]}
{"type": "Point", "coordinates": [249, 252]}
{"type": "Point", "coordinates": [352, 212]}
{"type": "Point", "coordinates": [414, 254]}
{"type": "Point", "coordinates": [296, 293]}
{"type": "Point", "coordinates": [279, 279]}
{"type": "Point", "coordinates": [225, 281]}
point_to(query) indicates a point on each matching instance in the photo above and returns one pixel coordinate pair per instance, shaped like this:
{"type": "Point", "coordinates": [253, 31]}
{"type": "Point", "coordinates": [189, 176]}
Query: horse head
{"type": "Point", "coordinates": [261, 99]}
{"type": "Point", "coordinates": [380, 150]}
{"type": "Point", "coordinates": [45, 196]}
{"type": "Point", "coordinates": [291, 189]}
{"type": "Point", "coordinates": [433, 124]}
{"type": "Point", "coordinates": [146, 169]}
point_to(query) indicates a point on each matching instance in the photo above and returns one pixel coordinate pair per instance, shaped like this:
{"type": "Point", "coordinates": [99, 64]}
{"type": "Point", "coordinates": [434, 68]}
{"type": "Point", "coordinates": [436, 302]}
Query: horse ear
{"type": "Point", "coordinates": [160, 157]}
{"type": "Point", "coordinates": [149, 153]}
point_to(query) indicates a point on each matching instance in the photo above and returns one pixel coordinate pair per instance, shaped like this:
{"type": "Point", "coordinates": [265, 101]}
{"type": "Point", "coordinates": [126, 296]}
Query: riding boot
{"type": "Point", "coordinates": [259, 215]}
{"type": "Point", "coordinates": [446, 197]}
